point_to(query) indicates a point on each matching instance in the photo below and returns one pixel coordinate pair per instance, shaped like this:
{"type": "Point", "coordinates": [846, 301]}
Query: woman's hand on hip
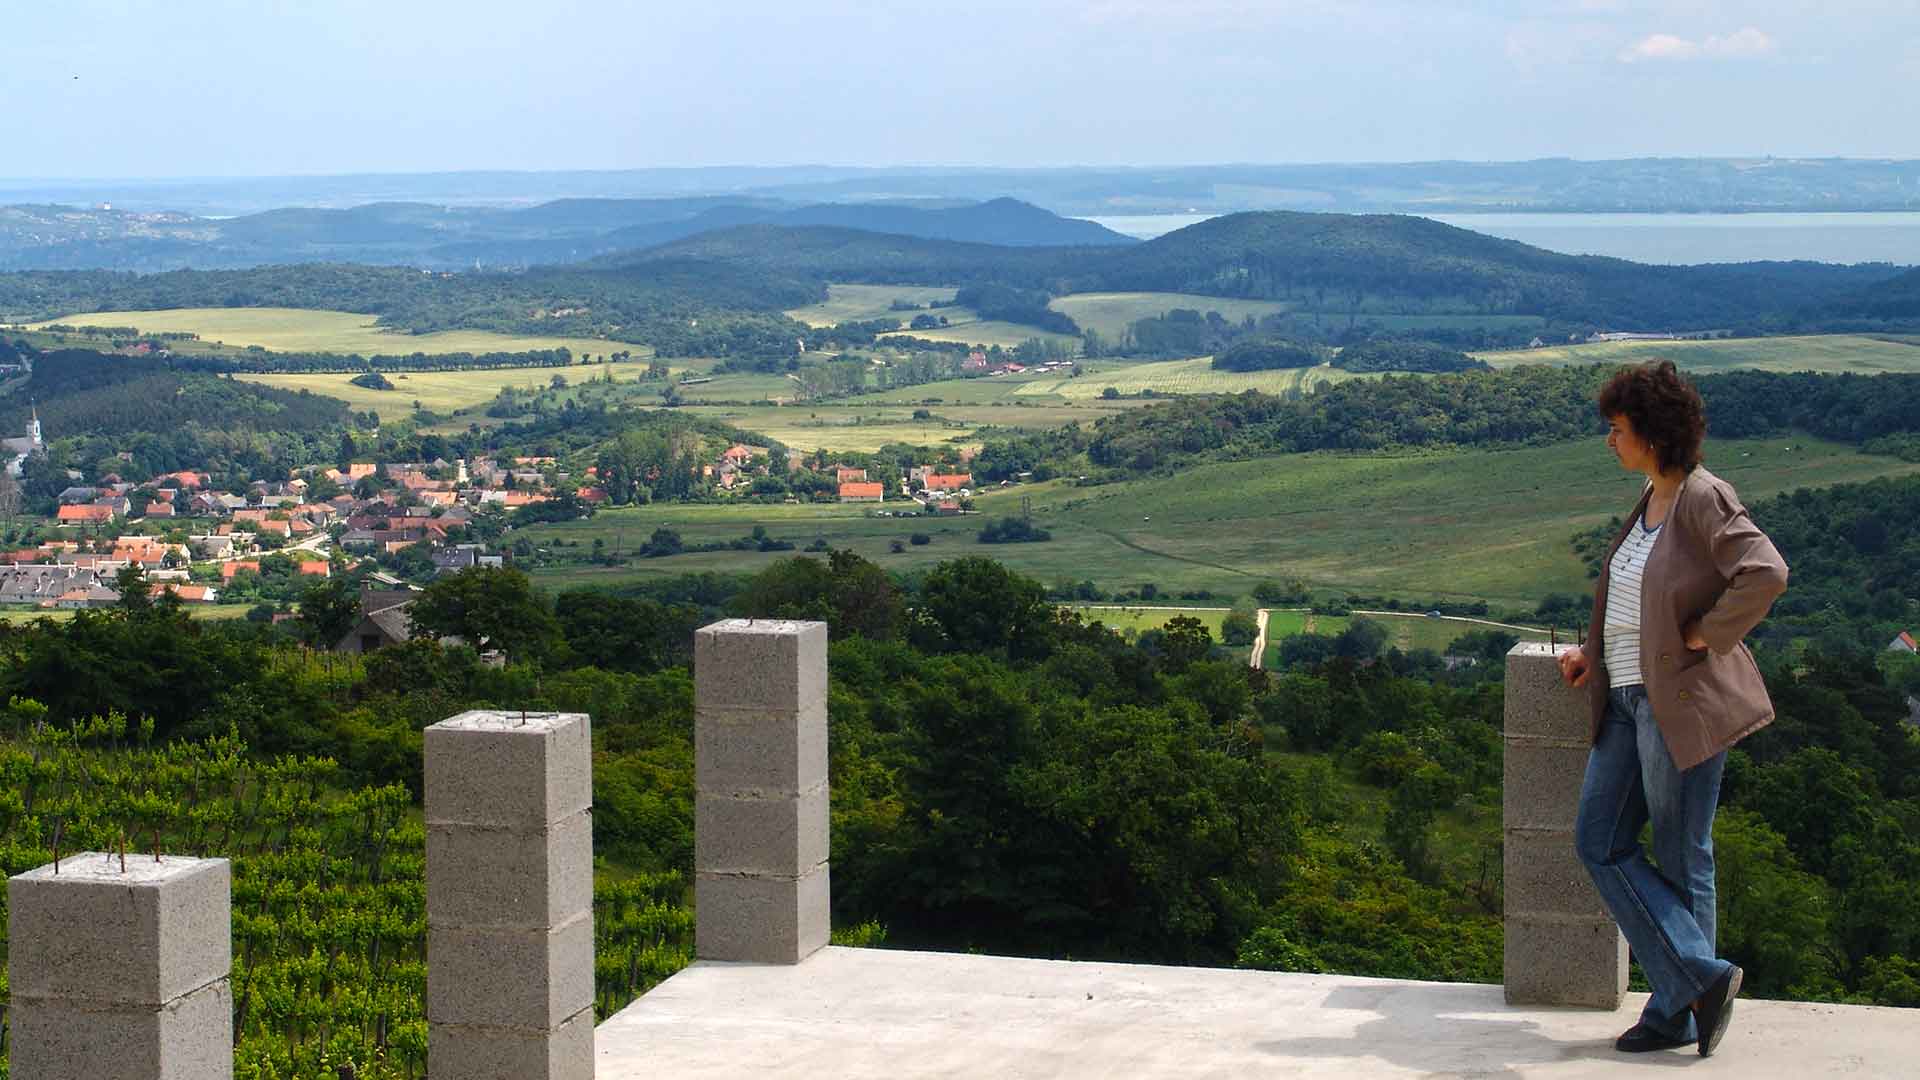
{"type": "Point", "coordinates": [1575, 668]}
{"type": "Point", "coordinates": [1690, 635]}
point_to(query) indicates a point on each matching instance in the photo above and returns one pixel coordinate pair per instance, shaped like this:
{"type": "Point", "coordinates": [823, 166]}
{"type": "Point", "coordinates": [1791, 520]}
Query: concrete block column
{"type": "Point", "coordinates": [119, 969]}
{"type": "Point", "coordinates": [761, 885]}
{"type": "Point", "coordinates": [1562, 948]}
{"type": "Point", "coordinates": [510, 896]}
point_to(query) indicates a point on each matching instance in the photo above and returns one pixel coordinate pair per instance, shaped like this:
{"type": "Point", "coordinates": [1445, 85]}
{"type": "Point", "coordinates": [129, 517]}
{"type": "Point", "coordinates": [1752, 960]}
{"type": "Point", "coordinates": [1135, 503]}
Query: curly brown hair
{"type": "Point", "coordinates": [1663, 408]}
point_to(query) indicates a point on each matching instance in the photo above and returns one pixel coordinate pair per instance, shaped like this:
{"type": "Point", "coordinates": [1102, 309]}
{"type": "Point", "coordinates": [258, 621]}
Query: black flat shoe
{"type": "Point", "coordinates": [1640, 1038]}
{"type": "Point", "coordinates": [1715, 1010]}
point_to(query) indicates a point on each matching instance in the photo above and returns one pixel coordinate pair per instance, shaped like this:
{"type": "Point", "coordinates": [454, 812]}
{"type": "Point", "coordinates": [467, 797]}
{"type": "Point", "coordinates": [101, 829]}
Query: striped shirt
{"type": "Point", "coordinates": [1621, 632]}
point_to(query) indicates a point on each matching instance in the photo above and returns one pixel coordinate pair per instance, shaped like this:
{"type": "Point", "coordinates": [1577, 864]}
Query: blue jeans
{"type": "Point", "coordinates": [1668, 913]}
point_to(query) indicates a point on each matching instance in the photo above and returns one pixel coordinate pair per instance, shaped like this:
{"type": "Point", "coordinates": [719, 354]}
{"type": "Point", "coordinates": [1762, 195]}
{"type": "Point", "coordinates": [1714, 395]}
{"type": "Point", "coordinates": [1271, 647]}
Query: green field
{"type": "Point", "coordinates": [297, 330]}
{"type": "Point", "coordinates": [989, 332]}
{"type": "Point", "coordinates": [1179, 377]}
{"type": "Point", "coordinates": [196, 611]}
{"type": "Point", "coordinates": [1825, 352]}
{"type": "Point", "coordinates": [1465, 525]}
{"type": "Point", "coordinates": [1138, 617]}
{"type": "Point", "coordinates": [857, 303]}
{"type": "Point", "coordinates": [442, 391]}
{"type": "Point", "coordinates": [1109, 314]}
{"type": "Point", "coordinates": [1405, 632]}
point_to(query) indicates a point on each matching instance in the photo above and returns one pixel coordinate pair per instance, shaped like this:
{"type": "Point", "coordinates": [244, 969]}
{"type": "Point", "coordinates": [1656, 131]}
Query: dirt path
{"type": "Point", "coordinates": [1259, 640]}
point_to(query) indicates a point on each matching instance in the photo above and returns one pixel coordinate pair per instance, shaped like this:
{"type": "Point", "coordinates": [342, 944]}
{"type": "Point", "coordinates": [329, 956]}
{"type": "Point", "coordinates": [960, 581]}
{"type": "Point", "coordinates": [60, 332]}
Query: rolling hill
{"type": "Point", "coordinates": [422, 234]}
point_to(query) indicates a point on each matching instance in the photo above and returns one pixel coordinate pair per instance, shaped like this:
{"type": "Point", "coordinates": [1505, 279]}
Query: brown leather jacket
{"type": "Point", "coordinates": [1712, 563]}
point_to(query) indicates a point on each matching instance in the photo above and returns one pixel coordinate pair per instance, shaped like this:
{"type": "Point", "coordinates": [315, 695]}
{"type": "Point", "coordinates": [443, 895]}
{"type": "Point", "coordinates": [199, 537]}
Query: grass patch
{"type": "Point", "coordinates": [1180, 377]}
{"type": "Point", "coordinates": [299, 330]}
{"type": "Point", "coordinates": [988, 332]}
{"type": "Point", "coordinates": [442, 391]}
{"type": "Point", "coordinates": [196, 611]}
{"type": "Point", "coordinates": [1110, 314]}
{"type": "Point", "coordinates": [1857, 353]}
{"type": "Point", "coordinates": [858, 303]}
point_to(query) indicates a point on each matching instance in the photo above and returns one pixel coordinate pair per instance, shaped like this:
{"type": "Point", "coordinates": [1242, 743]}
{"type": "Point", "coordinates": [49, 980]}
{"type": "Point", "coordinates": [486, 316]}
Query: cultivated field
{"type": "Point", "coordinates": [857, 303]}
{"type": "Point", "coordinates": [989, 332]}
{"type": "Point", "coordinates": [1859, 353]}
{"type": "Point", "coordinates": [1110, 314]}
{"type": "Point", "coordinates": [1178, 377]}
{"type": "Point", "coordinates": [442, 391]}
{"type": "Point", "coordinates": [1458, 525]}
{"type": "Point", "coordinates": [296, 330]}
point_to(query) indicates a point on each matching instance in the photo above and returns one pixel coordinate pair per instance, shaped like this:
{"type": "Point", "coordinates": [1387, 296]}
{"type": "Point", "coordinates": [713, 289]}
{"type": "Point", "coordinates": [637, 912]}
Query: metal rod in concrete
{"type": "Point", "coordinates": [1562, 948]}
{"type": "Point", "coordinates": [510, 896]}
{"type": "Point", "coordinates": [118, 969]}
{"type": "Point", "coordinates": [761, 882]}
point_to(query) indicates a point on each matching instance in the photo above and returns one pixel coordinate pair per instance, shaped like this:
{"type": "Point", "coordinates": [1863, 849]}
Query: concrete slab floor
{"type": "Point", "coordinates": [857, 1013]}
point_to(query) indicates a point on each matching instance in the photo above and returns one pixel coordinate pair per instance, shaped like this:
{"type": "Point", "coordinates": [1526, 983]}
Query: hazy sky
{"type": "Point", "coordinates": [93, 88]}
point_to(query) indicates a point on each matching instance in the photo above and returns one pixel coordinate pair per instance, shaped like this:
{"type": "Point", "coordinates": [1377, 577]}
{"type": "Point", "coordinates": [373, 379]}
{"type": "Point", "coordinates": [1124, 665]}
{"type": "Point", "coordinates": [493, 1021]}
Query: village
{"type": "Point", "coordinates": [389, 525]}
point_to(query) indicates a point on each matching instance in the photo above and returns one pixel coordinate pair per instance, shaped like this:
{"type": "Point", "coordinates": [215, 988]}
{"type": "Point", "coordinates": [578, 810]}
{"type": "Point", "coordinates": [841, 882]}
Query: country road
{"type": "Point", "coordinates": [1259, 639]}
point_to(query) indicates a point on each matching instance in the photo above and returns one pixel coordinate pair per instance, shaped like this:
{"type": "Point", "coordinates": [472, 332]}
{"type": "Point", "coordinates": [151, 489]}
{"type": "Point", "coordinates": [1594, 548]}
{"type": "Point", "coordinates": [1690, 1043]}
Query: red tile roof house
{"type": "Point", "coordinates": [1904, 643]}
{"type": "Point", "coordinates": [85, 515]}
{"type": "Point", "coordinates": [862, 491]}
{"type": "Point", "coordinates": [229, 569]}
{"type": "Point", "coordinates": [845, 473]}
{"type": "Point", "coordinates": [948, 481]}
{"type": "Point", "coordinates": [318, 568]}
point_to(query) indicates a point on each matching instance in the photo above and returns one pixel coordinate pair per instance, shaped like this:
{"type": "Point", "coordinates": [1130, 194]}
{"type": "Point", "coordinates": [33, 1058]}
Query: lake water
{"type": "Point", "coordinates": [1663, 238]}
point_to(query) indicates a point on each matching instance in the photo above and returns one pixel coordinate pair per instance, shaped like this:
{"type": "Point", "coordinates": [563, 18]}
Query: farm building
{"type": "Point", "coordinates": [862, 491]}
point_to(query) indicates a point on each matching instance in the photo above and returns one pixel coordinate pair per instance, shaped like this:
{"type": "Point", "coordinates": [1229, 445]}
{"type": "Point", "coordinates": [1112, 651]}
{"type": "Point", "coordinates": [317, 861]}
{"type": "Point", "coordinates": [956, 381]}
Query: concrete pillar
{"type": "Point", "coordinates": [1562, 948]}
{"type": "Point", "coordinates": [510, 897]}
{"type": "Point", "coordinates": [121, 973]}
{"type": "Point", "coordinates": [760, 810]}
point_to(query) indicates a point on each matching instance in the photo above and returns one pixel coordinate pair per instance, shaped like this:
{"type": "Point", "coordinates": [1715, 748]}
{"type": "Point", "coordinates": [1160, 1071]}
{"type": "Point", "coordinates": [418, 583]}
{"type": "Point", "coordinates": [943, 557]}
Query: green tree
{"type": "Point", "coordinates": [1239, 628]}
{"type": "Point", "coordinates": [488, 608]}
{"type": "Point", "coordinates": [328, 610]}
{"type": "Point", "coordinates": [977, 605]}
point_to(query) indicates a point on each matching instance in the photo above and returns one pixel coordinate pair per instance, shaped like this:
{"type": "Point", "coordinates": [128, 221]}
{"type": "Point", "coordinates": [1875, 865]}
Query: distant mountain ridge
{"type": "Point", "coordinates": [445, 237]}
{"type": "Point", "coordinates": [1326, 262]}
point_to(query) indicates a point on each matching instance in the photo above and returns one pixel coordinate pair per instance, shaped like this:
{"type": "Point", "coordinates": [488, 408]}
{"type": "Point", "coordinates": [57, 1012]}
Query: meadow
{"type": "Point", "coordinates": [858, 303]}
{"type": "Point", "coordinates": [1858, 353]}
{"type": "Point", "coordinates": [297, 330]}
{"type": "Point", "coordinates": [1169, 377]}
{"type": "Point", "coordinates": [1458, 525]}
{"type": "Point", "coordinates": [442, 391]}
{"type": "Point", "coordinates": [989, 332]}
{"type": "Point", "coordinates": [197, 611]}
{"type": "Point", "coordinates": [1110, 314]}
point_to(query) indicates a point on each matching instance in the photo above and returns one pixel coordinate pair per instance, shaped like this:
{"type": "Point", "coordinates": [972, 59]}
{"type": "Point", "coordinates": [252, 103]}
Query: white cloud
{"type": "Point", "coordinates": [1744, 42]}
{"type": "Point", "coordinates": [1659, 47]}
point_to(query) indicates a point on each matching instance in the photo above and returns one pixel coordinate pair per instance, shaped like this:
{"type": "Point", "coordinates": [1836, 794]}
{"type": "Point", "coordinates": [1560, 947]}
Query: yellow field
{"type": "Point", "coordinates": [988, 332]}
{"type": "Point", "coordinates": [1111, 313]}
{"type": "Point", "coordinates": [1825, 352]}
{"type": "Point", "coordinates": [1181, 377]}
{"type": "Point", "coordinates": [442, 391]}
{"type": "Point", "coordinates": [296, 330]}
{"type": "Point", "coordinates": [853, 303]}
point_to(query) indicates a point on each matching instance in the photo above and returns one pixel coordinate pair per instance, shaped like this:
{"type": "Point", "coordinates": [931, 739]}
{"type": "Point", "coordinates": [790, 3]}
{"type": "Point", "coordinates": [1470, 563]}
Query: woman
{"type": "Point", "coordinates": [1671, 687]}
